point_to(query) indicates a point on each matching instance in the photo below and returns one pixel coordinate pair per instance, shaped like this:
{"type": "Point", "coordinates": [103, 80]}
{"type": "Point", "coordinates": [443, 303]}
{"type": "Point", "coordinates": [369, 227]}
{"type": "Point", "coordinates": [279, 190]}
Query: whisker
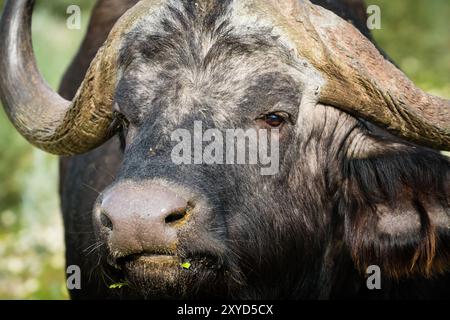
{"type": "Point", "coordinates": [100, 169]}
{"type": "Point", "coordinates": [96, 245]}
{"type": "Point", "coordinates": [91, 188]}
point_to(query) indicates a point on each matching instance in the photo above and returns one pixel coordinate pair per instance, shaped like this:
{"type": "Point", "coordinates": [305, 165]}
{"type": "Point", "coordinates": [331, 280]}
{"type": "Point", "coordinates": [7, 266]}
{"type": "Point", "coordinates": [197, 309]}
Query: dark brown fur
{"type": "Point", "coordinates": [317, 228]}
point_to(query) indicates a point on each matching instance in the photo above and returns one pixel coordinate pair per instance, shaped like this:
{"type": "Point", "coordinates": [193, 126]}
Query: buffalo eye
{"type": "Point", "coordinates": [274, 119]}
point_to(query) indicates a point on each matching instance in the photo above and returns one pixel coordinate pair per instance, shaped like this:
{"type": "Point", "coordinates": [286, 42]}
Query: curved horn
{"type": "Point", "coordinates": [43, 117]}
{"type": "Point", "coordinates": [361, 81]}
{"type": "Point", "coordinates": [358, 79]}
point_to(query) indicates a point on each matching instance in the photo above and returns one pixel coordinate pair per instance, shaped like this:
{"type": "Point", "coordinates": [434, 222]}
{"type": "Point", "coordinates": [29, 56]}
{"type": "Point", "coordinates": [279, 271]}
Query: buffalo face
{"type": "Point", "coordinates": [355, 181]}
{"type": "Point", "coordinates": [204, 214]}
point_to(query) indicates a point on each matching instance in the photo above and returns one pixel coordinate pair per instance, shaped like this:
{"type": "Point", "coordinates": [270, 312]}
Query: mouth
{"type": "Point", "coordinates": [164, 259]}
{"type": "Point", "coordinates": [169, 275]}
{"type": "Point", "coordinates": [148, 262]}
{"type": "Point", "coordinates": [155, 265]}
{"type": "Point", "coordinates": [153, 259]}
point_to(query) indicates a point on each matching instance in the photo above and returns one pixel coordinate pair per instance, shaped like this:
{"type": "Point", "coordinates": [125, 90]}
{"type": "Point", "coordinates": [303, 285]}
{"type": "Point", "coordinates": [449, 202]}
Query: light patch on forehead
{"type": "Point", "coordinates": [261, 14]}
{"type": "Point", "coordinates": [195, 93]}
{"type": "Point", "coordinates": [151, 22]}
{"type": "Point", "coordinates": [192, 84]}
{"type": "Point", "coordinates": [245, 18]}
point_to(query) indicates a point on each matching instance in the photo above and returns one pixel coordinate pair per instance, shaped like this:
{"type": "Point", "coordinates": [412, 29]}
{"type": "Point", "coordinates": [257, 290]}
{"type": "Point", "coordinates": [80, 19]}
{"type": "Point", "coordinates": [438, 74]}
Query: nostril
{"type": "Point", "coordinates": [176, 216]}
{"type": "Point", "coordinates": [106, 221]}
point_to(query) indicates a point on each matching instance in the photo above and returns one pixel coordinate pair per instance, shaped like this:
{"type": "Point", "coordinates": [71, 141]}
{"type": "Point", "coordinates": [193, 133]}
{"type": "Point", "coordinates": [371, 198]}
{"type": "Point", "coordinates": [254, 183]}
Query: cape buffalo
{"type": "Point", "coordinates": [361, 181]}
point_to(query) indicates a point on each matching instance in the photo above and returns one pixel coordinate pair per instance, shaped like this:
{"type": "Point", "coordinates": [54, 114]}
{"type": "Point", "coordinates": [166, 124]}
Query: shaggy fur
{"type": "Point", "coordinates": [348, 194]}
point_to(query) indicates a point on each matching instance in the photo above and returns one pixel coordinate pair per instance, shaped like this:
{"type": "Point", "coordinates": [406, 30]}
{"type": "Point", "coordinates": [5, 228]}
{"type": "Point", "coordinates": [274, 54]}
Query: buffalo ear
{"type": "Point", "coordinates": [396, 209]}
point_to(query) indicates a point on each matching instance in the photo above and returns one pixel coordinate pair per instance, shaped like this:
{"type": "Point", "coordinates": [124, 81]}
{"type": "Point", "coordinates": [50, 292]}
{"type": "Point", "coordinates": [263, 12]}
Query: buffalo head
{"type": "Point", "coordinates": [358, 183]}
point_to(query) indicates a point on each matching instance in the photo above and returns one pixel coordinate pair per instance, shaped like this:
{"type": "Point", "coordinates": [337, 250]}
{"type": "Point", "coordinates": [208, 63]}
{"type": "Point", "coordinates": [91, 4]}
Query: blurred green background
{"type": "Point", "coordinates": [415, 33]}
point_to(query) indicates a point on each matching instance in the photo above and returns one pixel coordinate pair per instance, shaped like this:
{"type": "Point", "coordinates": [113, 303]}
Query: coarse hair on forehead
{"type": "Point", "coordinates": [210, 49]}
{"type": "Point", "coordinates": [197, 34]}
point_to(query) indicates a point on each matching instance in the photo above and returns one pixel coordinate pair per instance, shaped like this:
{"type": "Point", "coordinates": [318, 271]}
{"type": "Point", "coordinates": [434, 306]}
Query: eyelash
{"type": "Point", "coordinates": [275, 119]}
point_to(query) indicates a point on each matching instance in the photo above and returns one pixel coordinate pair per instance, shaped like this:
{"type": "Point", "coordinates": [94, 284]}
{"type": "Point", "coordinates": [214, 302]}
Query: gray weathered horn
{"type": "Point", "coordinates": [358, 79]}
{"type": "Point", "coordinates": [43, 117]}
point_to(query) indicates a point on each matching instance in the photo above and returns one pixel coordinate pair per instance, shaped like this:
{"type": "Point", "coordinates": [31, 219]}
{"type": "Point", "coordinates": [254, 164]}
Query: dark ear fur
{"type": "Point", "coordinates": [396, 208]}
